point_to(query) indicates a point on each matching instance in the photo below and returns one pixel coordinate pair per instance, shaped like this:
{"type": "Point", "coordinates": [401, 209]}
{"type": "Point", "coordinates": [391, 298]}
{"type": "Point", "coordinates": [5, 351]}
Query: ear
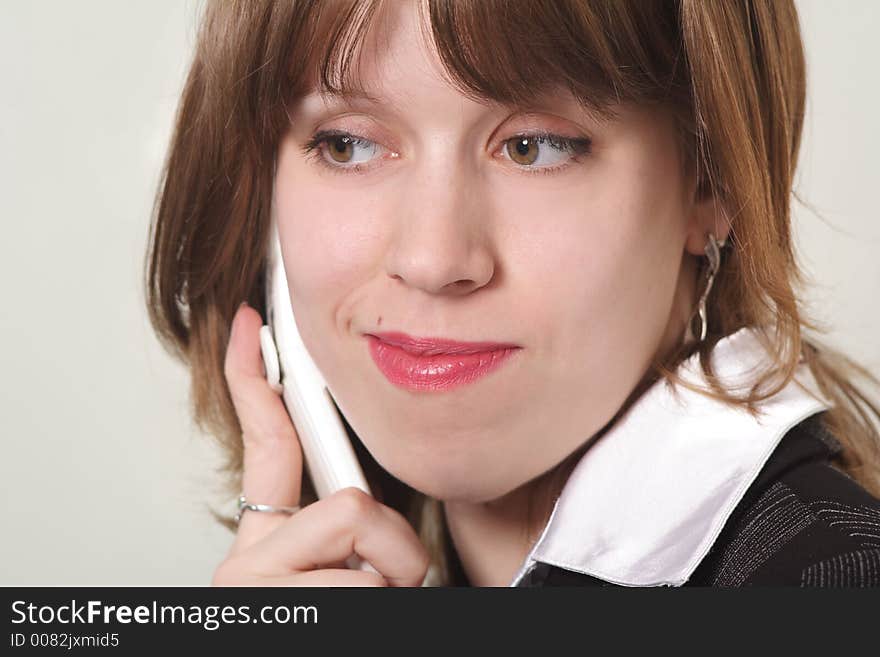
{"type": "Point", "coordinates": [706, 216]}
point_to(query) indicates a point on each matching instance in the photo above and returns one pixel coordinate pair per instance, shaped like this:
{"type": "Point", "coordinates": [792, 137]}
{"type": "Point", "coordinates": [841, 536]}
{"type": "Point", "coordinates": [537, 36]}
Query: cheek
{"type": "Point", "coordinates": [603, 266]}
{"type": "Point", "coordinates": [328, 240]}
{"type": "Point", "coordinates": [604, 247]}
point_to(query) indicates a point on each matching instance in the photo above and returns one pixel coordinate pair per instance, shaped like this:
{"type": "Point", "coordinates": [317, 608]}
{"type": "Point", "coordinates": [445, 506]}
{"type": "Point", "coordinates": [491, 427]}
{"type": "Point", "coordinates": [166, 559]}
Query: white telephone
{"type": "Point", "coordinates": [290, 370]}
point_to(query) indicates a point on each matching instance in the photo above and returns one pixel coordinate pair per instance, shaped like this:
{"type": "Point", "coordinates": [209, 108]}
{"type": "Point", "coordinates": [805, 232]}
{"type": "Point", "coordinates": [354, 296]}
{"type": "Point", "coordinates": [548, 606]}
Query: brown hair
{"type": "Point", "coordinates": [732, 73]}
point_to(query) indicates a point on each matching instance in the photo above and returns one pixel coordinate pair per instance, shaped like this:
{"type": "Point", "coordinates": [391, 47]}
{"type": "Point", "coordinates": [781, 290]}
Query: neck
{"type": "Point", "coordinates": [492, 539]}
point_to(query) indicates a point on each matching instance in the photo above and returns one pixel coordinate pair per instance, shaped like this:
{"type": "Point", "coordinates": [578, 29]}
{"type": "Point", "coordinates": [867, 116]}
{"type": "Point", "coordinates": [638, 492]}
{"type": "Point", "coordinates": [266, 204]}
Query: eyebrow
{"type": "Point", "coordinates": [320, 99]}
{"type": "Point", "coordinates": [317, 103]}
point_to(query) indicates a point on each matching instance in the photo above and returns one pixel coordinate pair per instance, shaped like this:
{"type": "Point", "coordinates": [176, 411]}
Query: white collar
{"type": "Point", "coordinates": [646, 501]}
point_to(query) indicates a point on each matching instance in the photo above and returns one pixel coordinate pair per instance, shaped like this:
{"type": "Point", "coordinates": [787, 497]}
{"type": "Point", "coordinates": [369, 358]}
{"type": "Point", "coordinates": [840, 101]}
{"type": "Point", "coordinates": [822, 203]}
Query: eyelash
{"type": "Point", "coordinates": [577, 146]}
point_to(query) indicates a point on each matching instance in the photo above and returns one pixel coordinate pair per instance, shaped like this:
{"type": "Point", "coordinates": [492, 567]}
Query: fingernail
{"type": "Point", "coordinates": [243, 303]}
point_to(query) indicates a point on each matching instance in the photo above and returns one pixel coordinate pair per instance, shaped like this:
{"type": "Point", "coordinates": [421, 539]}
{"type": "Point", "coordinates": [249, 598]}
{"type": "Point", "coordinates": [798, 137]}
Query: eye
{"type": "Point", "coordinates": [545, 151]}
{"type": "Point", "coordinates": [541, 152]}
{"type": "Point", "coordinates": [340, 150]}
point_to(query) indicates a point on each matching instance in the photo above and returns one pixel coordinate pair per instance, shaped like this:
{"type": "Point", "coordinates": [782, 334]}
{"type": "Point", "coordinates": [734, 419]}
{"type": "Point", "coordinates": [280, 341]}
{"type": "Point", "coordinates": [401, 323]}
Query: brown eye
{"type": "Point", "coordinates": [340, 149]}
{"type": "Point", "coordinates": [523, 150]}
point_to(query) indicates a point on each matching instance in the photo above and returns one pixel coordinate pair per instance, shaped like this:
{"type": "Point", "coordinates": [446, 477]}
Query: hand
{"type": "Point", "coordinates": [308, 548]}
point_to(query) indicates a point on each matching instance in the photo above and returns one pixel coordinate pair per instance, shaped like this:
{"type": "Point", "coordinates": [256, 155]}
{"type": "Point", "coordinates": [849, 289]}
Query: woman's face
{"type": "Point", "coordinates": [449, 230]}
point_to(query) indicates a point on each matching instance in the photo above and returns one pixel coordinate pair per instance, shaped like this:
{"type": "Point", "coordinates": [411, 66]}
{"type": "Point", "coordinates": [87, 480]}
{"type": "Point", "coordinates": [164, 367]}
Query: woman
{"type": "Point", "coordinates": [598, 189]}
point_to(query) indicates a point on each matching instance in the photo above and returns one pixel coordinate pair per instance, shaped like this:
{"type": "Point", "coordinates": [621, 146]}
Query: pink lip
{"type": "Point", "coordinates": [435, 363]}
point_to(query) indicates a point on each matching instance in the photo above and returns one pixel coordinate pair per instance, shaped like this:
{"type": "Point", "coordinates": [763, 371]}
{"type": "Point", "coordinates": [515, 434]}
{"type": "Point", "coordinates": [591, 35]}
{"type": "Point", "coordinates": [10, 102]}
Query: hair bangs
{"type": "Point", "coordinates": [604, 52]}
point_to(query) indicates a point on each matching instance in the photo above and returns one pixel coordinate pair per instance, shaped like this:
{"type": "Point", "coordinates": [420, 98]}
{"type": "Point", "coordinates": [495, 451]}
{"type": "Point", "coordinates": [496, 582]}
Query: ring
{"type": "Point", "coordinates": [244, 505]}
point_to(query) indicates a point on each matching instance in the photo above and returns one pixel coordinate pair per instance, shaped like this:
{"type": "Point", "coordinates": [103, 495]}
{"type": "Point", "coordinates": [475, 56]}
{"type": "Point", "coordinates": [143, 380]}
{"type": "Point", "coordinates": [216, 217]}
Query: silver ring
{"type": "Point", "coordinates": [244, 505]}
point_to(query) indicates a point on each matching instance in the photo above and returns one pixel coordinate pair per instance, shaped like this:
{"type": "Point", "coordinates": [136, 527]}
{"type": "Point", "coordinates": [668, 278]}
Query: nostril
{"type": "Point", "coordinates": [460, 283]}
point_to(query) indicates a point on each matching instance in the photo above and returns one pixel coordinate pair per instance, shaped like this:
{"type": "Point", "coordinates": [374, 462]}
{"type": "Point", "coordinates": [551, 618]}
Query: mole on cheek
{"type": "Point", "coordinates": [379, 321]}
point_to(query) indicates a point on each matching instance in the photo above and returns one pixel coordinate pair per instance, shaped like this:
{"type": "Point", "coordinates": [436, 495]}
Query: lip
{"type": "Point", "coordinates": [435, 364]}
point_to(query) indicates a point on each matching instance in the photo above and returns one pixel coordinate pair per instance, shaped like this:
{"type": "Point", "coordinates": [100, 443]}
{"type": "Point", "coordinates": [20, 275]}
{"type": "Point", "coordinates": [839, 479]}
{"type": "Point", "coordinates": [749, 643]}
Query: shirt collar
{"type": "Point", "coordinates": [646, 502]}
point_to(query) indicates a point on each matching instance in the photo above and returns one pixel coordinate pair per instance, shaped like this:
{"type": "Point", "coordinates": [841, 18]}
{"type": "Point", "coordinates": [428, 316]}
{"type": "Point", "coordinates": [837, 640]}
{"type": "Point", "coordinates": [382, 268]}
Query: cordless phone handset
{"type": "Point", "coordinates": [290, 370]}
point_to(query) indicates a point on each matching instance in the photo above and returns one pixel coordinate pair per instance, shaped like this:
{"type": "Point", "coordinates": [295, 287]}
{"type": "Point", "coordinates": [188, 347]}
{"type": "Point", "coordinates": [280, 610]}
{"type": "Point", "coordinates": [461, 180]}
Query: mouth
{"type": "Point", "coordinates": [435, 364]}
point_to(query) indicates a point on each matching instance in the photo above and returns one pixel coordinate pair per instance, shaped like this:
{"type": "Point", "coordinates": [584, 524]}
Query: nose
{"type": "Point", "coordinates": [442, 242]}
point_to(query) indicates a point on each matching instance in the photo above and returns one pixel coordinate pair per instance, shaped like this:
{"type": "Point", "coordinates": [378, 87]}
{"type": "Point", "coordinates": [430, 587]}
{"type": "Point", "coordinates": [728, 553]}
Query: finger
{"type": "Point", "coordinates": [272, 455]}
{"type": "Point", "coordinates": [332, 529]}
{"type": "Point", "coordinates": [329, 577]}
{"type": "Point", "coordinates": [326, 577]}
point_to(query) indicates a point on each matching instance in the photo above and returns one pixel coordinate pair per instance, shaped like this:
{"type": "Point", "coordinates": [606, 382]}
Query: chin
{"type": "Point", "coordinates": [453, 483]}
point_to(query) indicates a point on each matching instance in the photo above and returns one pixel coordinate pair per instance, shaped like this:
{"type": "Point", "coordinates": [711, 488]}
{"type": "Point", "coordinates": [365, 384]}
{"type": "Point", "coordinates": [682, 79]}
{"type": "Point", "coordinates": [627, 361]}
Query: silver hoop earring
{"type": "Point", "coordinates": [713, 254]}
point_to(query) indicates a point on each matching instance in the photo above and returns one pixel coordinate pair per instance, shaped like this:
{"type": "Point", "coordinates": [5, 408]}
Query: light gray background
{"type": "Point", "coordinates": [104, 479]}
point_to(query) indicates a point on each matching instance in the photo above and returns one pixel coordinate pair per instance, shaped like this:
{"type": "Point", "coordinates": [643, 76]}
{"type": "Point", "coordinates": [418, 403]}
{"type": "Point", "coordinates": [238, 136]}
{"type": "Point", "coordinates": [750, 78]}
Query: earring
{"type": "Point", "coordinates": [713, 254]}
